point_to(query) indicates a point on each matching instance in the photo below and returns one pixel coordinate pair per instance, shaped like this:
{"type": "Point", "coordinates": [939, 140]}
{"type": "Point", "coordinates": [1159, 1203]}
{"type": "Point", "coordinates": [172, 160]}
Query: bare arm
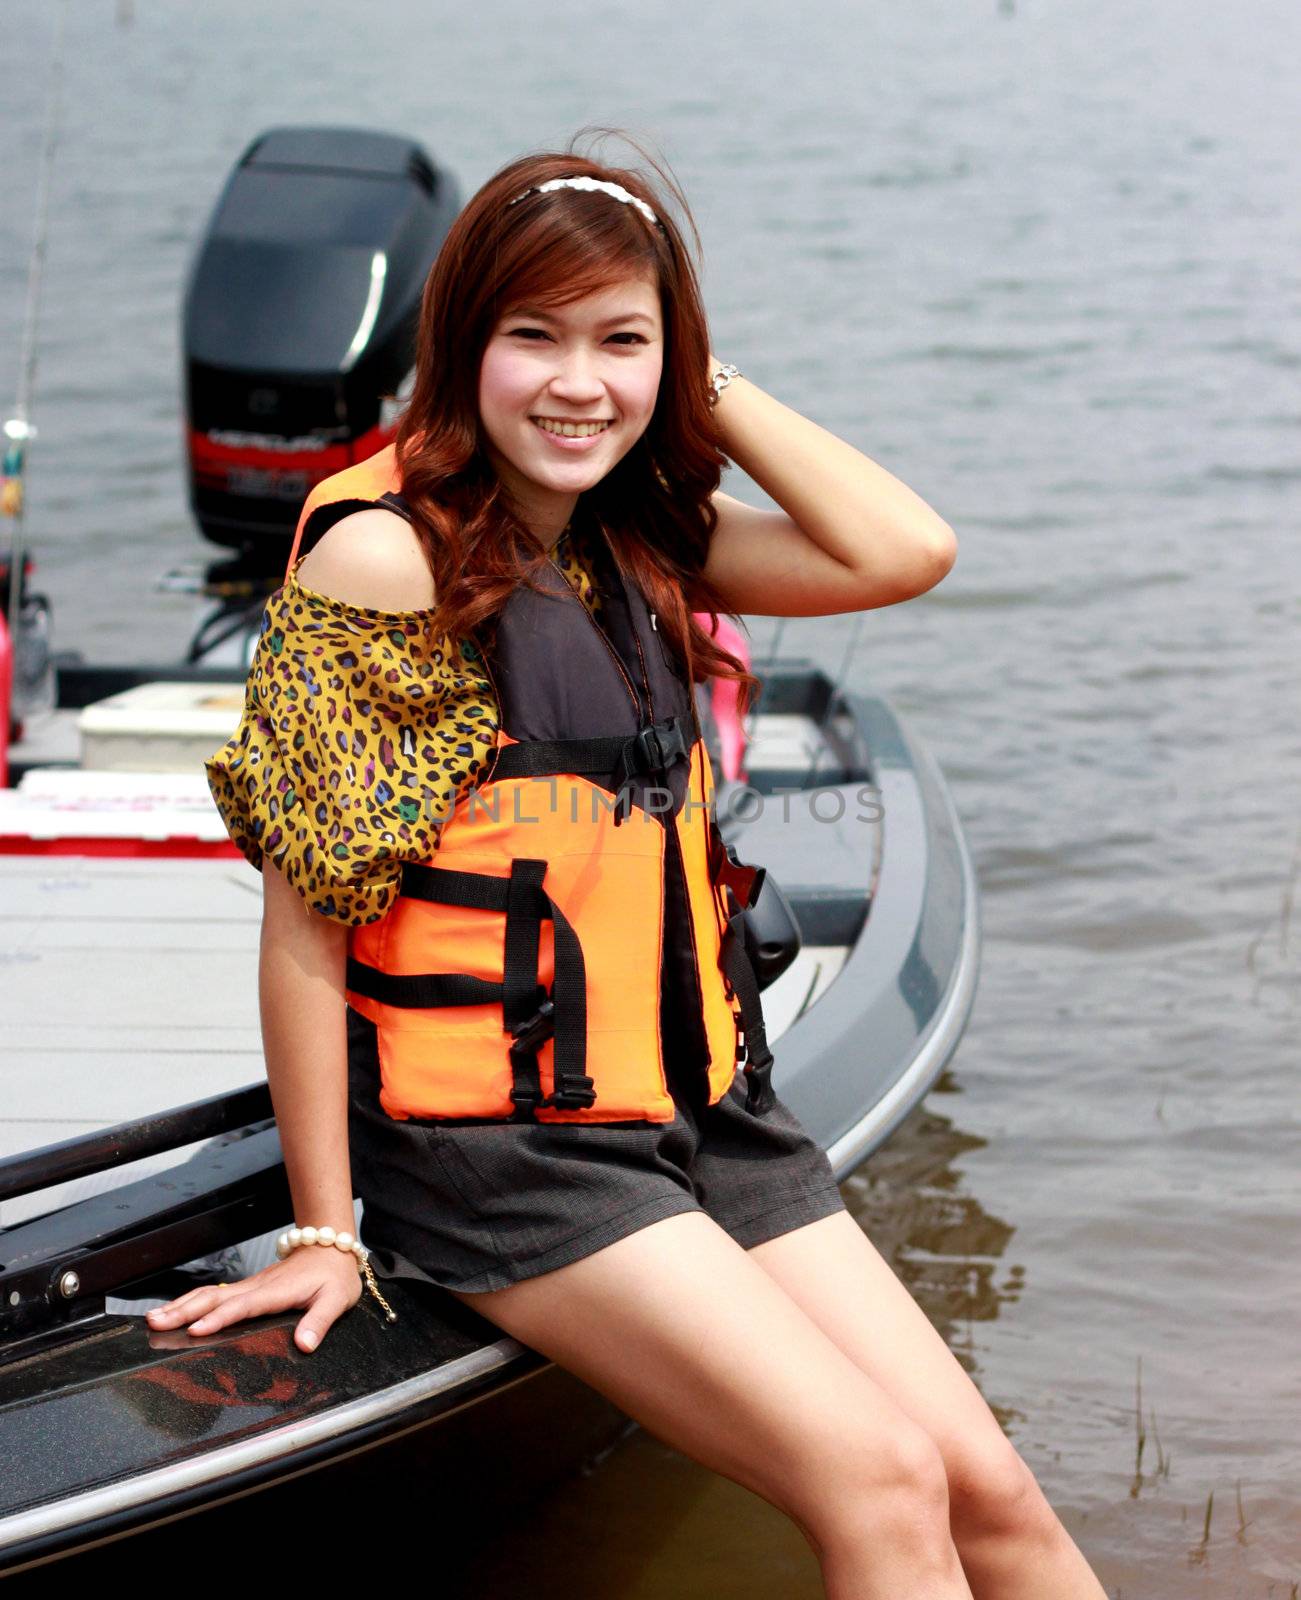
{"type": "Point", "coordinates": [304, 1036]}
{"type": "Point", "coordinates": [847, 534]}
{"type": "Point", "coordinates": [370, 558]}
{"type": "Point", "coordinates": [301, 1001]}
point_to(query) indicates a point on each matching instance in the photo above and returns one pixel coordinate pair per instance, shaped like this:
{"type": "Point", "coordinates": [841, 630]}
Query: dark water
{"type": "Point", "coordinates": [1044, 263]}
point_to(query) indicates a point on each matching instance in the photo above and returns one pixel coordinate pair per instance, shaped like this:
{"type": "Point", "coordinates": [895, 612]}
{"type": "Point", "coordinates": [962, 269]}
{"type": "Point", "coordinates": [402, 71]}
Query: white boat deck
{"type": "Point", "coordinates": [128, 985]}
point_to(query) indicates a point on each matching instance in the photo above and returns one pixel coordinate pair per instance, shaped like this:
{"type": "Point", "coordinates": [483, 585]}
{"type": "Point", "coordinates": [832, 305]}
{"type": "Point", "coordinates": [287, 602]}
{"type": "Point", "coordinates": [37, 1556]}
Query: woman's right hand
{"type": "Point", "coordinates": [327, 1282]}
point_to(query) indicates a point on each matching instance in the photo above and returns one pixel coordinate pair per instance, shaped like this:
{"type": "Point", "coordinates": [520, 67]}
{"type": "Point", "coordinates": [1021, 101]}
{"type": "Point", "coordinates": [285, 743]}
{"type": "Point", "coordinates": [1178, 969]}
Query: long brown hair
{"type": "Point", "coordinates": [654, 503]}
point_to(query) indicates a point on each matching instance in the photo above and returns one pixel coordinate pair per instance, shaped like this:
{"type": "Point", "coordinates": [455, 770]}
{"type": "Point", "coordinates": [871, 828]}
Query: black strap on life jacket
{"type": "Point", "coordinates": [652, 749]}
{"type": "Point", "coordinates": [744, 883]}
{"type": "Point", "coordinates": [530, 1015]}
{"type": "Point", "coordinates": [756, 1055]}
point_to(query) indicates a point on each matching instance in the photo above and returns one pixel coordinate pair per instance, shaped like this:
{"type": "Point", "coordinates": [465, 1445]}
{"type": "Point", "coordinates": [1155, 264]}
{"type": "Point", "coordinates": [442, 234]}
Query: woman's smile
{"type": "Point", "coordinates": [573, 436]}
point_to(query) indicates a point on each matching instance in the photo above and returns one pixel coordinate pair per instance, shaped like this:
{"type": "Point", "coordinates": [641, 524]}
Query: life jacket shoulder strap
{"type": "Point", "coordinates": [374, 481]}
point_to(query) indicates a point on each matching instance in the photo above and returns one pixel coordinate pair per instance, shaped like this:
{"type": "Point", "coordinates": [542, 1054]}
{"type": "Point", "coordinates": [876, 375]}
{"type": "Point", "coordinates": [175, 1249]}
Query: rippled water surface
{"type": "Point", "coordinates": [1043, 263]}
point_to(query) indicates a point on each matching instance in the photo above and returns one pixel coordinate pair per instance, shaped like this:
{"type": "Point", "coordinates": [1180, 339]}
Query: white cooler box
{"type": "Point", "coordinates": [159, 727]}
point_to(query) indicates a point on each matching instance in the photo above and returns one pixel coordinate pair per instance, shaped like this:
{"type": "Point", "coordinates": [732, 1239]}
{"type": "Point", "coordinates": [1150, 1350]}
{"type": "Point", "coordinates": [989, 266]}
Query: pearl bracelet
{"type": "Point", "coordinates": [339, 1240]}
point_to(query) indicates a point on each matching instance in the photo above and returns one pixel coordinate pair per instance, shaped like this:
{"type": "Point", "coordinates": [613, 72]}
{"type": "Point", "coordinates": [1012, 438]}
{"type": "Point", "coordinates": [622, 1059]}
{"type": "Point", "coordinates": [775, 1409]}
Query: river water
{"type": "Point", "coordinates": [1043, 263]}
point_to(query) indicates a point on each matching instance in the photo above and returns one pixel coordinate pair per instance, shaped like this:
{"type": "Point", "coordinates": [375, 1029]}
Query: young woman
{"type": "Point", "coordinates": [499, 604]}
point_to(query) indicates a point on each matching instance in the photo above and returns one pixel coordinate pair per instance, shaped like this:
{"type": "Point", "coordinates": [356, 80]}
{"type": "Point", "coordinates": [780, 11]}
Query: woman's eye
{"type": "Point", "coordinates": [524, 333]}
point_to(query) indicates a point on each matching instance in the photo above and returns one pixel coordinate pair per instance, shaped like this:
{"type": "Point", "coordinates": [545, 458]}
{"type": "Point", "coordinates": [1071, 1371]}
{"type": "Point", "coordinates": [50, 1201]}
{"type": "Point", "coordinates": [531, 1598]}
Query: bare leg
{"type": "Point", "coordinates": [686, 1333]}
{"type": "Point", "coordinates": [1010, 1540]}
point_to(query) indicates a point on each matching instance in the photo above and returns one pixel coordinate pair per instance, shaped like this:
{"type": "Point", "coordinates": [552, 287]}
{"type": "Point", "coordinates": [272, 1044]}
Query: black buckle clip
{"type": "Point", "coordinates": [535, 1030]}
{"type": "Point", "coordinates": [653, 748]}
{"type": "Point", "coordinates": [573, 1093]}
{"type": "Point", "coordinates": [759, 1094]}
{"type": "Point", "coordinates": [526, 1101]}
{"type": "Point", "coordinates": [658, 745]}
{"type": "Point", "coordinates": [650, 752]}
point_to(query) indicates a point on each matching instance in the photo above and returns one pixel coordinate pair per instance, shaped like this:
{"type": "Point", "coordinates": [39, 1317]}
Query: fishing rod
{"type": "Point", "coordinates": [17, 428]}
{"type": "Point", "coordinates": [837, 684]}
{"type": "Point", "coordinates": [838, 681]}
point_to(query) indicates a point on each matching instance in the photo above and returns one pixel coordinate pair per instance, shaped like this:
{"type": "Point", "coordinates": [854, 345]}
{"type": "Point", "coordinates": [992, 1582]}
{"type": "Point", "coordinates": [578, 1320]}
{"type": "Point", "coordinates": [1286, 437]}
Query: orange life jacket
{"type": "Point", "coordinates": [580, 920]}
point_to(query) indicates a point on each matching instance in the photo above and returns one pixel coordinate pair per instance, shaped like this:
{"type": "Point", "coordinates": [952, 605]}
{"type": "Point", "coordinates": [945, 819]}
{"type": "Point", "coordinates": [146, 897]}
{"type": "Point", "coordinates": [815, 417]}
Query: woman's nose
{"type": "Point", "coordinates": [577, 378]}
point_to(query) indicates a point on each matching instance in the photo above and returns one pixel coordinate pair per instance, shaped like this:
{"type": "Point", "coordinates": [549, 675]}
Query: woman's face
{"type": "Point", "coordinates": [597, 359]}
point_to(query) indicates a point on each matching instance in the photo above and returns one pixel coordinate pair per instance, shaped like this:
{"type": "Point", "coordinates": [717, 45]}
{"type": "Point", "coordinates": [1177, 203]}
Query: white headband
{"type": "Point", "coordinates": [615, 189]}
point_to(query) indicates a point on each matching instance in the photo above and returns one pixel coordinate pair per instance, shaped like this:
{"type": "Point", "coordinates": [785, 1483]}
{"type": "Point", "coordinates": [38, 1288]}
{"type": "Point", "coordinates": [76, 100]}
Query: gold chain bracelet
{"type": "Point", "coordinates": [389, 1312]}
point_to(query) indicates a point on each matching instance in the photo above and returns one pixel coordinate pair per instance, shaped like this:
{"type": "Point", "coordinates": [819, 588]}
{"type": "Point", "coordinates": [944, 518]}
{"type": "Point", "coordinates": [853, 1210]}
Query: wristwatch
{"type": "Point", "coordinates": [720, 381]}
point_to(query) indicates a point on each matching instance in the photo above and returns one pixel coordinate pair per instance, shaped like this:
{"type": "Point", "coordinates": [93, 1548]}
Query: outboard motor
{"type": "Point", "coordinates": [299, 323]}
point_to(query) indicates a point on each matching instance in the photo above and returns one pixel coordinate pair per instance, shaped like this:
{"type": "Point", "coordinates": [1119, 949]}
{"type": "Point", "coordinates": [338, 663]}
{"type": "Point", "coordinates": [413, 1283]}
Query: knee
{"type": "Point", "coordinates": [896, 1491]}
{"type": "Point", "coordinates": [993, 1494]}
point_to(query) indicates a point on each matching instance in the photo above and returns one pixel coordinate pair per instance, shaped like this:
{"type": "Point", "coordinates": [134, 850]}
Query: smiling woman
{"type": "Point", "coordinates": [565, 396]}
{"type": "Point", "coordinates": [538, 1045]}
{"type": "Point", "coordinates": [556, 303]}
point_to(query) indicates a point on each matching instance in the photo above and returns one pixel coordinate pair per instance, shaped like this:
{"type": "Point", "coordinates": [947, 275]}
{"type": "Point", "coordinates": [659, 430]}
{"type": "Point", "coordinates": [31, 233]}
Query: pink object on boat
{"type": "Point", "coordinates": [724, 695]}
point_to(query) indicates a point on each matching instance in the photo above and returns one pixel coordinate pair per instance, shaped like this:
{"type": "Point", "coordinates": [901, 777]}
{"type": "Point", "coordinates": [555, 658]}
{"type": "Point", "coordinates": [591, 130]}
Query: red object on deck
{"type": "Point", "coordinates": [18, 844]}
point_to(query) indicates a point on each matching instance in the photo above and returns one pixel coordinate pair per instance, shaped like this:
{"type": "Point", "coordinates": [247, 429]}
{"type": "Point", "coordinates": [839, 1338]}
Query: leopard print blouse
{"type": "Point", "coordinates": [358, 734]}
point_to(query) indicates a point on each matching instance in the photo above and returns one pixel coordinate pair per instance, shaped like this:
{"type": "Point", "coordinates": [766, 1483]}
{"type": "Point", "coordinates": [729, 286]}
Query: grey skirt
{"type": "Point", "coordinates": [473, 1206]}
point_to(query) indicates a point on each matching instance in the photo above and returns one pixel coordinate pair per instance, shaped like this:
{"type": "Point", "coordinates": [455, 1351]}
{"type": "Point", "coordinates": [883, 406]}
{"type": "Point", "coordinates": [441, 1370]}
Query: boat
{"type": "Point", "coordinates": [139, 1445]}
{"type": "Point", "coordinates": [861, 1022]}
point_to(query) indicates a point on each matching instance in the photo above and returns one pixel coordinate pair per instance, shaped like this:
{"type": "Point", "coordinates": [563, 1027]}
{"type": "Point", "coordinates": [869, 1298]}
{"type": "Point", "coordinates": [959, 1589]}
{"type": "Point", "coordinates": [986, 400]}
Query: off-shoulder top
{"type": "Point", "coordinates": [358, 734]}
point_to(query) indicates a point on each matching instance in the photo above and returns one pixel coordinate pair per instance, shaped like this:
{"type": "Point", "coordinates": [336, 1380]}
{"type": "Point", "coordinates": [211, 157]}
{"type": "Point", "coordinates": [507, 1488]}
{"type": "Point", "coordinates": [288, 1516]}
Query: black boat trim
{"type": "Point", "coordinates": [57, 1267]}
{"type": "Point", "coordinates": [87, 1153]}
{"type": "Point", "coordinates": [225, 1462]}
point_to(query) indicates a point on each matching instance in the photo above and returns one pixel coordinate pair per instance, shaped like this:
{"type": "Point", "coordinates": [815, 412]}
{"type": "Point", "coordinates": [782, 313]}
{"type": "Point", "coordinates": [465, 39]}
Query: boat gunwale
{"type": "Point", "coordinates": [281, 1442]}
